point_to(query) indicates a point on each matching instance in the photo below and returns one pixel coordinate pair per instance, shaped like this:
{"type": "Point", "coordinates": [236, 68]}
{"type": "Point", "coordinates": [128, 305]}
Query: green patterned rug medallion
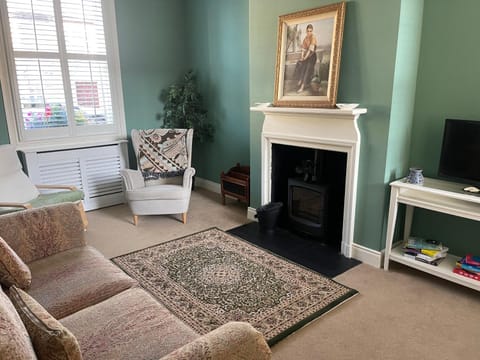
{"type": "Point", "coordinates": [211, 277]}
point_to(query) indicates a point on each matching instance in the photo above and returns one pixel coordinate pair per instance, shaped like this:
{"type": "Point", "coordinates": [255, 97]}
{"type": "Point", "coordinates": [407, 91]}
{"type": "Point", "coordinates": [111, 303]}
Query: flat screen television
{"type": "Point", "coordinates": [460, 154]}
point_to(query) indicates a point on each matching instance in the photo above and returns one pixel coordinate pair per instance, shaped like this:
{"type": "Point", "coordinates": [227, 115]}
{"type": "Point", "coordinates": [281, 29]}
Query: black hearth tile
{"type": "Point", "coordinates": [310, 253]}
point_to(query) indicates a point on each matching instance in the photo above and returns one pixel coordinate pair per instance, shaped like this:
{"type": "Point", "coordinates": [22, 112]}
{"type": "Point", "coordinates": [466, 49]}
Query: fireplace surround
{"type": "Point", "coordinates": [314, 128]}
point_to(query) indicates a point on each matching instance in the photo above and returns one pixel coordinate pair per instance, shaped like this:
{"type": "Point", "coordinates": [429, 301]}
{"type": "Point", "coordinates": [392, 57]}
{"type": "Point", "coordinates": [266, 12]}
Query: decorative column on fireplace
{"type": "Point", "coordinates": [310, 129]}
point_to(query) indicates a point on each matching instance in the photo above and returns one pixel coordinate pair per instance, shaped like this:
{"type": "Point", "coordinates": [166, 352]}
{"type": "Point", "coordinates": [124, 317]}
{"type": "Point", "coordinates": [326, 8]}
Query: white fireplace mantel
{"type": "Point", "coordinates": [325, 129]}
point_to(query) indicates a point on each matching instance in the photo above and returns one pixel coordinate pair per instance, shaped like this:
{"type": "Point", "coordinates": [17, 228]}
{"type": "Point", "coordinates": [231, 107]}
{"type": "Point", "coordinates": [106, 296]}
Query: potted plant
{"type": "Point", "coordinates": [183, 108]}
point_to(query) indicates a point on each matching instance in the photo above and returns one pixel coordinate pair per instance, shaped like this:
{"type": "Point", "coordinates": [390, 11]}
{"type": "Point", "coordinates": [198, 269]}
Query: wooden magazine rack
{"type": "Point", "coordinates": [236, 183]}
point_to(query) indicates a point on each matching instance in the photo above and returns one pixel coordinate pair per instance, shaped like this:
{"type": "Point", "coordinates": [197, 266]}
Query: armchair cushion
{"type": "Point", "coordinates": [57, 198]}
{"type": "Point", "coordinates": [16, 186]}
{"type": "Point", "coordinates": [13, 270]}
{"type": "Point", "coordinates": [51, 340]}
{"type": "Point", "coordinates": [163, 192]}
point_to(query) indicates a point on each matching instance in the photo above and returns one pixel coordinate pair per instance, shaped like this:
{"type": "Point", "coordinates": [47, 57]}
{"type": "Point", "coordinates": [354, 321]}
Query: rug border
{"type": "Point", "coordinates": [313, 316]}
{"type": "Point", "coordinates": [347, 296]}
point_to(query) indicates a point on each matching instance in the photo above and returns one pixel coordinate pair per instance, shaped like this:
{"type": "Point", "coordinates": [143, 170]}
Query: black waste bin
{"type": "Point", "coordinates": [268, 215]}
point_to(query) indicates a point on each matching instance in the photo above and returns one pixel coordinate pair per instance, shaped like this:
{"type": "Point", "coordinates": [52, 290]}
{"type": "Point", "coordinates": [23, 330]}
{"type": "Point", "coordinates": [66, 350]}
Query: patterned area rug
{"type": "Point", "coordinates": [210, 278]}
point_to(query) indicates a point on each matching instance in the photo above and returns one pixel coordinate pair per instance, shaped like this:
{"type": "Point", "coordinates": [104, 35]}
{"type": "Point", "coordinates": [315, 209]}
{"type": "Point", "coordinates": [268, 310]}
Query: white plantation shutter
{"type": "Point", "coordinates": [60, 68]}
{"type": "Point", "coordinates": [32, 25]}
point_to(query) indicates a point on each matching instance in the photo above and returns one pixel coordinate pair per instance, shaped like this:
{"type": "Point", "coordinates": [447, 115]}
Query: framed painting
{"type": "Point", "coordinates": [308, 57]}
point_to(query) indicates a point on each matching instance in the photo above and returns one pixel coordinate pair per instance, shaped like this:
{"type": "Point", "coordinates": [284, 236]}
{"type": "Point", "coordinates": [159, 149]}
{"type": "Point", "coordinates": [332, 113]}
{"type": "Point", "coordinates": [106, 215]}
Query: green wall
{"type": "Point", "coordinates": [366, 77]}
{"type": "Point", "coordinates": [447, 86]}
{"type": "Point", "coordinates": [404, 85]}
{"type": "Point", "coordinates": [218, 51]}
{"type": "Point", "coordinates": [208, 36]}
{"type": "Point", "coordinates": [153, 54]}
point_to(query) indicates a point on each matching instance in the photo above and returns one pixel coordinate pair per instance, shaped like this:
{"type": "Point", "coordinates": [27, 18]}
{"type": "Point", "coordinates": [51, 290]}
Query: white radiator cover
{"type": "Point", "coordinates": [95, 170]}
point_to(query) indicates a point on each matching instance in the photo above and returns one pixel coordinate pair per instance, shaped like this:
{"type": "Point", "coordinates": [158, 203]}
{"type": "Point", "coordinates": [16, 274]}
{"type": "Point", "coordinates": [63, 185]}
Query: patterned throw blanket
{"type": "Point", "coordinates": [162, 153]}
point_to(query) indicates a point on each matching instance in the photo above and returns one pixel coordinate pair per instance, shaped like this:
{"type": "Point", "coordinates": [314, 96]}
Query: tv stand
{"type": "Point", "coordinates": [435, 195]}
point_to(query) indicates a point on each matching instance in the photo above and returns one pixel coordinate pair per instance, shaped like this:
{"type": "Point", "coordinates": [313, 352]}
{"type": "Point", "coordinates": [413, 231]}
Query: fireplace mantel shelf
{"type": "Point", "coordinates": [269, 108]}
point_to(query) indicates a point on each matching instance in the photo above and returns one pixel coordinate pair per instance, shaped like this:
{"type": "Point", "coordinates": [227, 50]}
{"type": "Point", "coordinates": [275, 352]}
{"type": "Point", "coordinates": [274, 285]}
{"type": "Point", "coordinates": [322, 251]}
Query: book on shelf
{"type": "Point", "coordinates": [470, 268]}
{"type": "Point", "coordinates": [415, 242]}
{"type": "Point", "coordinates": [472, 260]}
{"type": "Point", "coordinates": [430, 262]}
{"type": "Point", "coordinates": [435, 253]}
{"type": "Point", "coordinates": [431, 258]}
{"type": "Point", "coordinates": [427, 251]}
{"type": "Point", "coordinates": [462, 264]}
{"type": "Point", "coordinates": [465, 273]}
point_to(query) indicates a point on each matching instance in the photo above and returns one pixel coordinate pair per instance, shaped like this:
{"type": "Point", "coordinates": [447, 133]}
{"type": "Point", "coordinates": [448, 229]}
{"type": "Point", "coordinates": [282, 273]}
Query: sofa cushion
{"type": "Point", "coordinates": [36, 233]}
{"type": "Point", "coordinates": [15, 344]}
{"type": "Point", "coordinates": [74, 279]}
{"type": "Point", "coordinates": [51, 340]}
{"type": "Point", "coordinates": [13, 270]}
{"type": "Point", "coordinates": [129, 325]}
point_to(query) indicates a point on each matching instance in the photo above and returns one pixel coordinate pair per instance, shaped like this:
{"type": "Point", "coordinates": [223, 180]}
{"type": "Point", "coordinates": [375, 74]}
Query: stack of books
{"type": "Point", "coordinates": [468, 266]}
{"type": "Point", "coordinates": [427, 251]}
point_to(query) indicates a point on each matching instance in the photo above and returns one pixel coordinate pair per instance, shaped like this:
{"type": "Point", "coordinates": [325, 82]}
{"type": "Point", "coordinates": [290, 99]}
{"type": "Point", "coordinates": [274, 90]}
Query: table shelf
{"type": "Point", "coordinates": [435, 195]}
{"type": "Point", "coordinates": [443, 270]}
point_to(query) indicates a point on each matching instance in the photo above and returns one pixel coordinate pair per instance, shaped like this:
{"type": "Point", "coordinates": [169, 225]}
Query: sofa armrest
{"type": "Point", "coordinates": [132, 179]}
{"type": "Point", "coordinates": [37, 233]}
{"type": "Point", "coordinates": [187, 177]}
{"type": "Point", "coordinates": [233, 341]}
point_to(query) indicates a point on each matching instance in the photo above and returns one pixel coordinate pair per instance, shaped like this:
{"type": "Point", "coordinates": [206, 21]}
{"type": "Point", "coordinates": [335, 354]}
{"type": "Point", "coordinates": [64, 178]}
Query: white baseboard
{"type": "Point", "coordinates": [367, 256]}
{"type": "Point", "coordinates": [208, 185]}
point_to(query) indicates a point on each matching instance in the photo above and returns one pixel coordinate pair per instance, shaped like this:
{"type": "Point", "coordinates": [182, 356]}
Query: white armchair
{"type": "Point", "coordinates": [17, 191]}
{"type": "Point", "coordinates": [162, 183]}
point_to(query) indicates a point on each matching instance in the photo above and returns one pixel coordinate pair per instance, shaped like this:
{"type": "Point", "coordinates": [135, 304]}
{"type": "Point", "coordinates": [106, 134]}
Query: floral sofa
{"type": "Point", "coordinates": [61, 299]}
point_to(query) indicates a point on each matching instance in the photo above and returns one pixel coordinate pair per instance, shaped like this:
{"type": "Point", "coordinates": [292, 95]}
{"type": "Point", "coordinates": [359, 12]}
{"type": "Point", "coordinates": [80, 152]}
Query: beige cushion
{"type": "Point", "coordinates": [14, 341]}
{"type": "Point", "coordinates": [160, 192]}
{"type": "Point", "coordinates": [38, 233]}
{"type": "Point", "coordinates": [13, 270]}
{"type": "Point", "coordinates": [51, 340]}
{"type": "Point", "coordinates": [74, 279]}
{"type": "Point", "coordinates": [129, 325]}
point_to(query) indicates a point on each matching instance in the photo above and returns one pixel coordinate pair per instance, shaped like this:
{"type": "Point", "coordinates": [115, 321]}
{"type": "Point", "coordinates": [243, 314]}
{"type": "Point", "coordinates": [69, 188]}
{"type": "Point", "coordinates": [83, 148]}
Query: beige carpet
{"type": "Point", "coordinates": [399, 314]}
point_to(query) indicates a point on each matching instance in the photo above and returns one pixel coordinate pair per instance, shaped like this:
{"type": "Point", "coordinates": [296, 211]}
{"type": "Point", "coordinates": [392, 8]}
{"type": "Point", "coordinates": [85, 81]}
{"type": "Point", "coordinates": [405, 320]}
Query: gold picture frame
{"type": "Point", "coordinates": [308, 57]}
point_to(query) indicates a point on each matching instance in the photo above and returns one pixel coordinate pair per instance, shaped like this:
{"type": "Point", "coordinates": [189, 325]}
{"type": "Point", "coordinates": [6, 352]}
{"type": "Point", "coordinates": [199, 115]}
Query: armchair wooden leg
{"type": "Point", "coordinates": [184, 217]}
{"type": "Point", "coordinates": [135, 220]}
{"type": "Point", "coordinates": [83, 214]}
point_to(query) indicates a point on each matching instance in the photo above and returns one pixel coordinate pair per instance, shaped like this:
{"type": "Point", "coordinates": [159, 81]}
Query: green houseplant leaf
{"type": "Point", "coordinates": [183, 108]}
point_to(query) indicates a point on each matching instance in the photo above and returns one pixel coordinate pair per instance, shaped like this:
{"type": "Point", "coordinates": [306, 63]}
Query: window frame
{"type": "Point", "coordinates": [50, 137]}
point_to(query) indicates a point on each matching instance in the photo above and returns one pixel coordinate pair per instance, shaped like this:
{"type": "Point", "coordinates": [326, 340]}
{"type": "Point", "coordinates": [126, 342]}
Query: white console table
{"type": "Point", "coordinates": [436, 195]}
